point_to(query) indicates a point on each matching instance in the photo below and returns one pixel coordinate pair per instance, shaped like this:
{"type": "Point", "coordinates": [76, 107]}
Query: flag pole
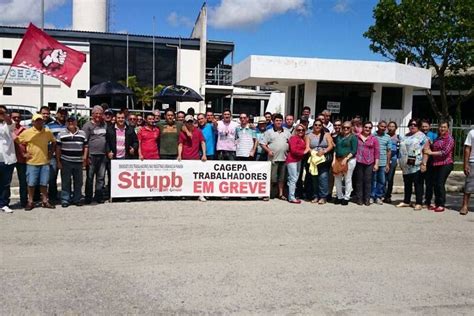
{"type": "Point", "coordinates": [126, 76]}
{"type": "Point", "coordinates": [153, 81]}
{"type": "Point", "coordinates": [41, 75]}
{"type": "Point", "coordinates": [6, 77]}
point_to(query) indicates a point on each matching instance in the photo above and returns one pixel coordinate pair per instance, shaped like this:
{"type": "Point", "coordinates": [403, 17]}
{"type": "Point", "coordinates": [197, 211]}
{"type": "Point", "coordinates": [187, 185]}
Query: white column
{"type": "Point", "coordinates": [407, 104]}
{"type": "Point", "coordinates": [376, 103]}
{"type": "Point", "coordinates": [310, 96]}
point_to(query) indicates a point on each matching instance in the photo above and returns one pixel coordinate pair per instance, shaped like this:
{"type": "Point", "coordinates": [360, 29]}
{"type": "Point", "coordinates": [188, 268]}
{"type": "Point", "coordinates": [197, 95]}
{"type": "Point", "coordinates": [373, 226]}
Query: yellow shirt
{"type": "Point", "coordinates": [37, 145]}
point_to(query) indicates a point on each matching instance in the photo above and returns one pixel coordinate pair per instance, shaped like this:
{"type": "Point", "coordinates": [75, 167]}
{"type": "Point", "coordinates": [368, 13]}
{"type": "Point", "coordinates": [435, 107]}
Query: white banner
{"type": "Point", "coordinates": [148, 178]}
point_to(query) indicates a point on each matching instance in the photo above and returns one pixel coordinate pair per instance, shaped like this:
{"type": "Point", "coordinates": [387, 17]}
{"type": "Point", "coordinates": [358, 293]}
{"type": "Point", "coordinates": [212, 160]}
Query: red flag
{"type": "Point", "coordinates": [41, 52]}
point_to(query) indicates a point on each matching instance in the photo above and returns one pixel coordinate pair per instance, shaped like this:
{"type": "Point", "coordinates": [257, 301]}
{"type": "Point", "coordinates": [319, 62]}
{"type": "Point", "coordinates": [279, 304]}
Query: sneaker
{"type": "Point", "coordinates": [64, 205]}
{"type": "Point", "coordinates": [6, 209]}
{"type": "Point", "coordinates": [344, 202]}
{"type": "Point", "coordinates": [337, 201]}
{"type": "Point", "coordinates": [439, 209]}
{"type": "Point", "coordinates": [379, 201]}
{"type": "Point", "coordinates": [418, 207]}
{"type": "Point", "coordinates": [371, 201]}
{"type": "Point", "coordinates": [387, 200]}
{"type": "Point", "coordinates": [401, 204]}
{"type": "Point", "coordinates": [202, 199]}
{"type": "Point", "coordinates": [367, 203]}
{"type": "Point", "coordinates": [79, 203]}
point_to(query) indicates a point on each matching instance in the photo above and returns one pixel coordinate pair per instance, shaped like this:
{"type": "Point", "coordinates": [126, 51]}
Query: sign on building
{"type": "Point", "coordinates": [334, 107]}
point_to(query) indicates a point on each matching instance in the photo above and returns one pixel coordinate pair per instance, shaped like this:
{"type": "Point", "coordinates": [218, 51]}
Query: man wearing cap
{"type": "Point", "coordinates": [56, 126]}
{"type": "Point", "coordinates": [37, 139]}
{"type": "Point", "coordinates": [7, 158]}
{"type": "Point", "coordinates": [190, 142]}
{"type": "Point", "coordinates": [71, 156]}
{"type": "Point", "coordinates": [260, 133]}
{"type": "Point", "coordinates": [109, 117]}
{"type": "Point", "coordinates": [95, 134]}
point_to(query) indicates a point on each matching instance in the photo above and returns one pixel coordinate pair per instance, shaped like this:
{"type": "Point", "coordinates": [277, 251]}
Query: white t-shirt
{"type": "Point", "coordinates": [469, 142]}
{"type": "Point", "coordinates": [7, 147]}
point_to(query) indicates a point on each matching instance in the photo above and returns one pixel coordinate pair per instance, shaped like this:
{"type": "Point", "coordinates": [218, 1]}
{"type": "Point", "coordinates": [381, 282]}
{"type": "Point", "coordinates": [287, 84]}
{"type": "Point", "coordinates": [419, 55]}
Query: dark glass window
{"type": "Point", "coordinates": [7, 91]}
{"type": "Point", "coordinates": [52, 106]}
{"type": "Point", "coordinates": [81, 94]}
{"type": "Point", "coordinates": [7, 53]}
{"type": "Point", "coordinates": [392, 98]}
{"type": "Point", "coordinates": [293, 100]}
{"type": "Point", "coordinates": [301, 97]}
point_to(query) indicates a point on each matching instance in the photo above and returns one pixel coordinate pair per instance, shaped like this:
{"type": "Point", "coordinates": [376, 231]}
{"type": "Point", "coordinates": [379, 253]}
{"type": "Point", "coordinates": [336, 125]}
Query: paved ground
{"type": "Point", "coordinates": [243, 257]}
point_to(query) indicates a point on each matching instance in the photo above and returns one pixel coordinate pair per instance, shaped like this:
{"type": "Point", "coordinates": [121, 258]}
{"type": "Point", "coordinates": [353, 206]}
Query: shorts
{"type": "Point", "coordinates": [469, 185]}
{"type": "Point", "coordinates": [278, 171]}
{"type": "Point", "coordinates": [37, 175]}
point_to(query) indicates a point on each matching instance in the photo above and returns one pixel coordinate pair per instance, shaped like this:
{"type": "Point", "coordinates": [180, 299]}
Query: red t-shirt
{"type": "Point", "coordinates": [296, 145]}
{"type": "Point", "coordinates": [191, 145]}
{"type": "Point", "coordinates": [148, 138]}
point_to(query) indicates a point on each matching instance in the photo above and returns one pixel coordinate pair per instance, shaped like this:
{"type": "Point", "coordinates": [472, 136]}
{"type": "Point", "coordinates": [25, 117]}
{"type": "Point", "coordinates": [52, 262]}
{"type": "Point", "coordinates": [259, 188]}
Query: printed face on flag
{"type": "Point", "coordinates": [41, 52]}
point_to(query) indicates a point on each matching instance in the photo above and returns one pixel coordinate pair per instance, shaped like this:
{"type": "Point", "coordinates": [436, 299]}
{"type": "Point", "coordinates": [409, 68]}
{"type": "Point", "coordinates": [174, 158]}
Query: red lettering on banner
{"type": "Point", "coordinates": [203, 187]}
{"type": "Point", "coordinates": [143, 181]}
{"type": "Point", "coordinates": [242, 187]}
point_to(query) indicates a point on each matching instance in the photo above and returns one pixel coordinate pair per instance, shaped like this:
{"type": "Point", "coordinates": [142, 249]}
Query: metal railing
{"type": "Point", "coordinates": [221, 75]}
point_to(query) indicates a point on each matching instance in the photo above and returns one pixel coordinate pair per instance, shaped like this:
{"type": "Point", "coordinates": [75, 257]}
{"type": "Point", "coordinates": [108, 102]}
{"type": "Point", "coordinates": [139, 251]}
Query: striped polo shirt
{"type": "Point", "coordinates": [72, 145]}
{"type": "Point", "coordinates": [244, 138]}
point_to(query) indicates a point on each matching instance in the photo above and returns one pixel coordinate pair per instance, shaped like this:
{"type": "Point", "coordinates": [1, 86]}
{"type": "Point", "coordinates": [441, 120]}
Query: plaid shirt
{"type": "Point", "coordinates": [444, 144]}
{"type": "Point", "coordinates": [368, 151]}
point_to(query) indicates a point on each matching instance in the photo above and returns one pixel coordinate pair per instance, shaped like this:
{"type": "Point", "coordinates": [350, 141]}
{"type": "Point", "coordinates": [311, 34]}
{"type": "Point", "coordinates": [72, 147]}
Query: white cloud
{"type": "Point", "coordinates": [248, 13]}
{"type": "Point", "coordinates": [22, 12]}
{"type": "Point", "coordinates": [174, 19]}
{"type": "Point", "coordinates": [341, 6]}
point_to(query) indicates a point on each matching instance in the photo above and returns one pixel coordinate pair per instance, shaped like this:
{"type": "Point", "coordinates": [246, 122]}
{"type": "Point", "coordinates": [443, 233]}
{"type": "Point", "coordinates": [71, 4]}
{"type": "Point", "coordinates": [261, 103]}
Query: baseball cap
{"type": "Point", "coordinates": [263, 121]}
{"type": "Point", "coordinates": [189, 118]}
{"type": "Point", "coordinates": [62, 109]}
{"type": "Point", "coordinates": [72, 118]}
{"type": "Point", "coordinates": [36, 117]}
{"type": "Point", "coordinates": [109, 111]}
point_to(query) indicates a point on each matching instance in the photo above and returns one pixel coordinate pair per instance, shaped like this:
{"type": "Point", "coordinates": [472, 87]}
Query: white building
{"type": "Point", "coordinates": [375, 90]}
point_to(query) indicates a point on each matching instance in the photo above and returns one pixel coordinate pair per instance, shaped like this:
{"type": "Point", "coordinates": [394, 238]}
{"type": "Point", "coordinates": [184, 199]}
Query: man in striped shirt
{"type": "Point", "coordinates": [245, 139]}
{"type": "Point", "coordinates": [71, 156]}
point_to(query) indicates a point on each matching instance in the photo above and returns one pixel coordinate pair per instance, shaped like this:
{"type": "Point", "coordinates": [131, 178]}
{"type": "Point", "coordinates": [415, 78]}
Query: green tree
{"type": "Point", "coordinates": [433, 34]}
{"type": "Point", "coordinates": [143, 95]}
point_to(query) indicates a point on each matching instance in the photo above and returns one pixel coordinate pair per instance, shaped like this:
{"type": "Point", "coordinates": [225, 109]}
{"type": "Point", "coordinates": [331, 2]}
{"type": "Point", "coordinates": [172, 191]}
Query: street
{"type": "Point", "coordinates": [237, 256]}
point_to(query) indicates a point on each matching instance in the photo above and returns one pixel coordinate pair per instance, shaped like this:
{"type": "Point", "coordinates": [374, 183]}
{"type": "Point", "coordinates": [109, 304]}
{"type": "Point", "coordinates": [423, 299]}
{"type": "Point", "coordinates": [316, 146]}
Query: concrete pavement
{"type": "Point", "coordinates": [236, 257]}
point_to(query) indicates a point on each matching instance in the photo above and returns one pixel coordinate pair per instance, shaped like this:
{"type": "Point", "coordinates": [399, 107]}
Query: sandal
{"type": "Point", "coordinates": [463, 211]}
{"type": "Point", "coordinates": [47, 205]}
{"type": "Point", "coordinates": [282, 197]}
{"type": "Point", "coordinates": [322, 201]}
{"type": "Point", "coordinates": [314, 201]}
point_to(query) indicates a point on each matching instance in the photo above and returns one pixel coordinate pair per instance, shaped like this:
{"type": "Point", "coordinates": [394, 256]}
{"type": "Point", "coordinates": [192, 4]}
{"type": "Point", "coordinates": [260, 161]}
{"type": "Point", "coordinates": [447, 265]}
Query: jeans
{"type": "Point", "coordinates": [6, 172]}
{"type": "Point", "coordinates": [21, 173]}
{"type": "Point", "coordinates": [364, 181]}
{"type": "Point", "coordinates": [390, 176]}
{"type": "Point", "coordinates": [320, 183]}
{"type": "Point", "coordinates": [427, 180]}
{"type": "Point", "coordinates": [225, 155]}
{"type": "Point", "coordinates": [378, 183]}
{"type": "Point", "coordinates": [441, 174]}
{"type": "Point", "coordinates": [37, 175]}
{"type": "Point", "coordinates": [347, 181]}
{"type": "Point", "coordinates": [71, 170]}
{"type": "Point", "coordinates": [96, 168]}
{"type": "Point", "coordinates": [53, 180]}
{"type": "Point", "coordinates": [408, 181]}
{"type": "Point", "coordinates": [293, 174]}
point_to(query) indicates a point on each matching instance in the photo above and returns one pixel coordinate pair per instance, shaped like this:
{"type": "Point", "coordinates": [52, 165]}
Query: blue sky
{"type": "Point", "coordinates": [303, 28]}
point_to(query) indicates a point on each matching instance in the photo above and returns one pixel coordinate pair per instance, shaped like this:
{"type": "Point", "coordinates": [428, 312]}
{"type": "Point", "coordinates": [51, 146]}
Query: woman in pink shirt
{"type": "Point", "coordinates": [298, 145]}
{"type": "Point", "coordinates": [442, 152]}
{"type": "Point", "coordinates": [367, 157]}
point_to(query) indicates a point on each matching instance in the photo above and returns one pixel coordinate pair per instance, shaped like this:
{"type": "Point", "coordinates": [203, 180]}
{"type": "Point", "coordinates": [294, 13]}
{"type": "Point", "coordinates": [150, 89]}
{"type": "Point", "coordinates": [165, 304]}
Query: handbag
{"type": "Point", "coordinates": [338, 168]}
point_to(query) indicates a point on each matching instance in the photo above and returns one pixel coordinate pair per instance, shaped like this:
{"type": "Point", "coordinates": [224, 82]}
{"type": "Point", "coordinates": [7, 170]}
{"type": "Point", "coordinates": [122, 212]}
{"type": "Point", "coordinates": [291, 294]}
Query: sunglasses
{"type": "Point", "coordinates": [317, 125]}
{"type": "Point", "coordinates": [413, 125]}
{"type": "Point", "coordinates": [346, 127]}
{"type": "Point", "coordinates": [300, 130]}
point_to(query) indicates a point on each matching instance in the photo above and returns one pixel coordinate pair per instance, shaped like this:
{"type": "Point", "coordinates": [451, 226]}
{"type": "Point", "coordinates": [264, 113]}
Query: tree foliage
{"type": "Point", "coordinates": [143, 94]}
{"type": "Point", "coordinates": [433, 34]}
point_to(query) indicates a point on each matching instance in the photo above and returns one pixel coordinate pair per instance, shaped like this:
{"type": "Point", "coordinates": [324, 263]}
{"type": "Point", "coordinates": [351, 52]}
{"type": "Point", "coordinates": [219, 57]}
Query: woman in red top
{"type": "Point", "coordinates": [298, 145]}
{"type": "Point", "coordinates": [442, 152]}
{"type": "Point", "coordinates": [148, 138]}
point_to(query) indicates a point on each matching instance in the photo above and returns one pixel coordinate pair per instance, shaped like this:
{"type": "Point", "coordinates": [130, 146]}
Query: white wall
{"type": "Point", "coordinates": [310, 88]}
{"type": "Point", "coordinates": [26, 91]}
{"type": "Point", "coordinates": [187, 74]}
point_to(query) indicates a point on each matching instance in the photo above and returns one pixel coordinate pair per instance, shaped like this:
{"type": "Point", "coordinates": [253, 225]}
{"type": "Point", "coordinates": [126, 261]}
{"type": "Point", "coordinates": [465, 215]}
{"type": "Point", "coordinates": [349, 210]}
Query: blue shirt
{"type": "Point", "coordinates": [385, 145]}
{"type": "Point", "coordinates": [432, 136]}
{"type": "Point", "coordinates": [209, 133]}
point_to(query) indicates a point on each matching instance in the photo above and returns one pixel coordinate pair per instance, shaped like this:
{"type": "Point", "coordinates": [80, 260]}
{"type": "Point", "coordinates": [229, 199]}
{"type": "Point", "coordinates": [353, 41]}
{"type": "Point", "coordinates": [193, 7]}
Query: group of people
{"type": "Point", "coordinates": [308, 157]}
